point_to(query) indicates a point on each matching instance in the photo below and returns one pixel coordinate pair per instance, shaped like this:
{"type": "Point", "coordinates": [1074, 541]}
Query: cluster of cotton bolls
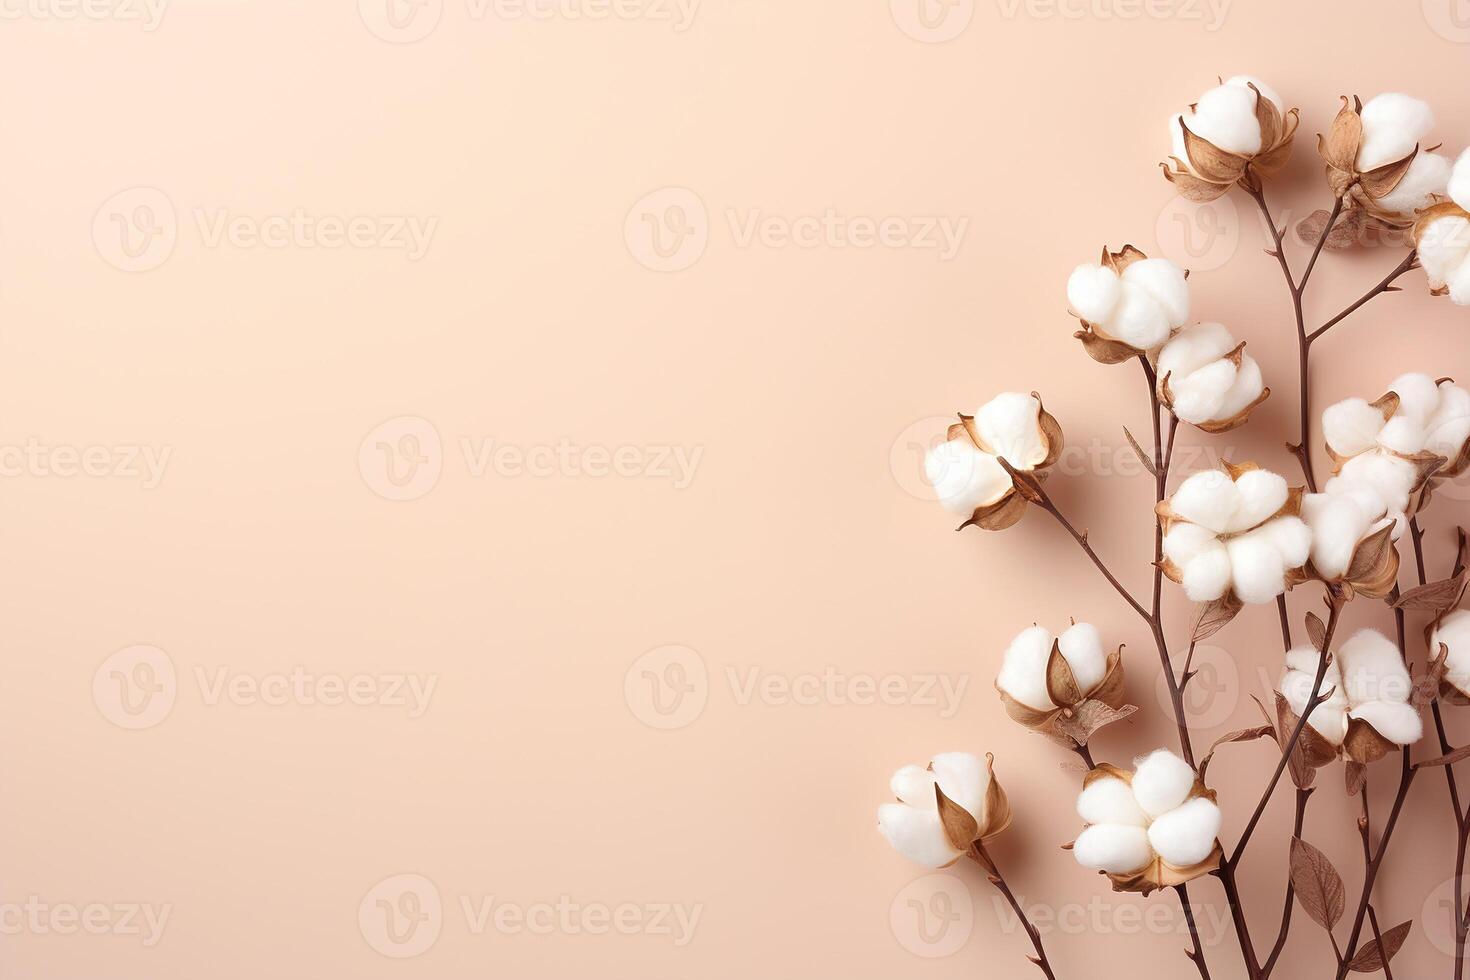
{"type": "Point", "coordinates": [1130, 299]}
{"type": "Point", "coordinates": [1023, 666]}
{"type": "Point", "coordinates": [1368, 684]}
{"type": "Point", "coordinates": [914, 826]}
{"type": "Point", "coordinates": [1394, 126]}
{"type": "Point", "coordinates": [965, 470]}
{"type": "Point", "coordinates": [1207, 379]}
{"type": "Point", "coordinates": [1157, 811]}
{"type": "Point", "coordinates": [1443, 238]}
{"type": "Point", "coordinates": [1232, 532]}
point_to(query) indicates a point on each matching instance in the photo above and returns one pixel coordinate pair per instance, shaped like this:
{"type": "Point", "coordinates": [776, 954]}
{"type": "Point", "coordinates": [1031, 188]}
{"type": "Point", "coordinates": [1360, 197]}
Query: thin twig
{"type": "Point", "coordinates": [1302, 796]}
{"type": "Point", "coordinates": [1386, 286]}
{"type": "Point", "coordinates": [1197, 955]}
{"type": "Point", "coordinates": [992, 871]}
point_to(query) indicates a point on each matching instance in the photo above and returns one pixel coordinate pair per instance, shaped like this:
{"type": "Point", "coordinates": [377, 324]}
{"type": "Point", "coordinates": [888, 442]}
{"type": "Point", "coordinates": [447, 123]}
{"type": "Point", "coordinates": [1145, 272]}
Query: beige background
{"type": "Point", "coordinates": [795, 551]}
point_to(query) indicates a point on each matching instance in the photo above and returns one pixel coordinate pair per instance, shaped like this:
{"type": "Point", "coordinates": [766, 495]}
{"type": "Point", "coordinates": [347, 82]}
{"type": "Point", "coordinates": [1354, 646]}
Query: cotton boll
{"type": "Point", "coordinates": [1396, 721]}
{"type": "Point", "coordinates": [1186, 836]}
{"type": "Point", "coordinates": [1257, 570]}
{"type": "Point", "coordinates": [1330, 717]}
{"type": "Point", "coordinates": [1427, 175]}
{"type": "Point", "coordinates": [1192, 348]}
{"type": "Point", "coordinates": [1418, 396]}
{"type": "Point", "coordinates": [1008, 424]}
{"type": "Point", "coordinates": [1444, 245]}
{"type": "Point", "coordinates": [1110, 800]}
{"type": "Point", "coordinates": [1246, 389]}
{"type": "Point", "coordinates": [1165, 282]}
{"type": "Point", "coordinates": [1267, 92]}
{"type": "Point", "coordinates": [1185, 542]}
{"type": "Point", "coordinates": [1393, 124]}
{"type": "Point", "coordinates": [1459, 186]}
{"type": "Point", "coordinates": [1081, 647]}
{"type": "Point", "coordinates": [965, 779]}
{"type": "Point", "coordinates": [1351, 426]}
{"type": "Point", "coordinates": [1138, 319]}
{"type": "Point", "coordinates": [1226, 116]}
{"type": "Point", "coordinates": [1023, 668]}
{"type": "Point", "coordinates": [1161, 782]}
{"type": "Point", "coordinates": [1207, 578]}
{"type": "Point", "coordinates": [1093, 292]}
{"type": "Point", "coordinates": [914, 785]}
{"type": "Point", "coordinates": [1454, 633]}
{"type": "Point", "coordinates": [916, 834]}
{"type": "Point", "coordinates": [1449, 426]}
{"type": "Point", "coordinates": [963, 477]}
{"type": "Point", "coordinates": [1262, 493]}
{"type": "Point", "coordinates": [1372, 669]}
{"type": "Point", "coordinates": [1207, 498]}
{"type": "Point", "coordinates": [1402, 435]}
{"type": "Point", "coordinates": [1113, 848]}
{"type": "Point", "coordinates": [1337, 523]}
{"type": "Point", "coordinates": [1292, 539]}
{"type": "Point", "coordinates": [1199, 395]}
{"type": "Point", "coordinates": [1389, 476]}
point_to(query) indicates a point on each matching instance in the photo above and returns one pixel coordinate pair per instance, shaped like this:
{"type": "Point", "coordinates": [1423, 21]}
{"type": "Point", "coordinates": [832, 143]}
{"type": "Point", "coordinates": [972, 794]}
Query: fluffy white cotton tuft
{"type": "Point", "coordinates": [1245, 81]}
{"type": "Point", "coordinates": [1393, 124]}
{"type": "Point", "coordinates": [1444, 246]}
{"type": "Point", "coordinates": [1459, 185]}
{"type": "Point", "coordinates": [1165, 283]}
{"type": "Point", "coordinates": [965, 779]}
{"type": "Point", "coordinates": [1207, 498]}
{"type": "Point", "coordinates": [1390, 477]}
{"type": "Point", "coordinates": [1226, 116]}
{"type": "Point", "coordinates": [1351, 426]}
{"type": "Point", "coordinates": [1330, 717]}
{"type": "Point", "coordinates": [1008, 424]}
{"type": "Point", "coordinates": [1138, 319]}
{"type": "Point", "coordinates": [1427, 176]}
{"type": "Point", "coordinates": [1460, 286]}
{"type": "Point", "coordinates": [1396, 721]}
{"type": "Point", "coordinates": [1185, 836]}
{"type": "Point", "coordinates": [1205, 386]}
{"type": "Point", "coordinates": [1161, 782]}
{"type": "Point", "coordinates": [963, 477]}
{"type": "Point", "coordinates": [1113, 848]}
{"type": "Point", "coordinates": [1454, 632]}
{"type": "Point", "coordinates": [1082, 648]}
{"type": "Point", "coordinates": [1373, 669]}
{"type": "Point", "coordinates": [1418, 396]}
{"type": "Point", "coordinates": [1110, 800]}
{"type": "Point", "coordinates": [1338, 522]}
{"type": "Point", "coordinates": [1023, 668]}
{"type": "Point", "coordinates": [1402, 434]}
{"type": "Point", "coordinates": [1257, 567]}
{"type": "Point", "coordinates": [1449, 427]}
{"type": "Point", "coordinates": [1093, 292]}
{"type": "Point", "coordinates": [916, 834]}
{"type": "Point", "coordinates": [1262, 493]}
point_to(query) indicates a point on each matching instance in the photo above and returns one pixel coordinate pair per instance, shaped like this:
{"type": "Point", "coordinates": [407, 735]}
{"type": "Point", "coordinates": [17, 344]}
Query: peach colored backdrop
{"type": "Point", "coordinates": [460, 472]}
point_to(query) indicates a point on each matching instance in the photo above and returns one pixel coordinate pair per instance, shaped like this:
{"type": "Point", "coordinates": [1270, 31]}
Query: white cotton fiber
{"type": "Point", "coordinates": [916, 834]}
{"type": "Point", "coordinates": [1207, 578]}
{"type": "Point", "coordinates": [1226, 116]}
{"type": "Point", "coordinates": [1199, 395]}
{"type": "Point", "coordinates": [1444, 246]}
{"type": "Point", "coordinates": [1449, 426]}
{"type": "Point", "coordinates": [1138, 319]}
{"type": "Point", "coordinates": [1292, 538]}
{"type": "Point", "coordinates": [915, 786]}
{"type": "Point", "coordinates": [1262, 493]}
{"type": "Point", "coordinates": [1454, 633]}
{"type": "Point", "coordinates": [1008, 425]}
{"type": "Point", "coordinates": [1245, 81]}
{"type": "Point", "coordinates": [1418, 396]}
{"type": "Point", "coordinates": [1330, 718]}
{"type": "Point", "coordinates": [1093, 292]}
{"type": "Point", "coordinates": [1402, 434]}
{"type": "Point", "coordinates": [1110, 801]}
{"type": "Point", "coordinates": [1194, 347]}
{"type": "Point", "coordinates": [1393, 124]}
{"type": "Point", "coordinates": [963, 477]}
{"type": "Point", "coordinates": [1207, 498]}
{"type": "Point", "coordinates": [1081, 647]}
{"type": "Point", "coordinates": [1460, 286]}
{"type": "Point", "coordinates": [1337, 523]}
{"type": "Point", "coordinates": [1023, 668]}
{"type": "Point", "coordinates": [1372, 669]}
{"type": "Point", "coordinates": [1185, 836]}
{"type": "Point", "coordinates": [1161, 782]}
{"type": "Point", "coordinates": [1389, 476]}
{"type": "Point", "coordinates": [1394, 720]}
{"type": "Point", "coordinates": [965, 779]}
{"type": "Point", "coordinates": [1243, 393]}
{"type": "Point", "coordinates": [1351, 426]}
{"type": "Point", "coordinates": [1429, 174]}
{"type": "Point", "coordinates": [1165, 282]}
{"type": "Point", "coordinates": [1113, 848]}
{"type": "Point", "coordinates": [1459, 185]}
{"type": "Point", "coordinates": [1257, 569]}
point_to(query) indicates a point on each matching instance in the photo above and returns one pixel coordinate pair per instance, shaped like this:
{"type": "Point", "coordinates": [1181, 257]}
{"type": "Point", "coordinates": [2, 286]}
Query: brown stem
{"type": "Point", "coordinates": [992, 871]}
{"type": "Point", "coordinates": [1378, 938]}
{"type": "Point", "coordinates": [1406, 779]}
{"type": "Point", "coordinates": [1386, 286]}
{"type": "Point", "coordinates": [1197, 955]}
{"type": "Point", "coordinates": [1302, 796]}
{"type": "Point", "coordinates": [1086, 754]}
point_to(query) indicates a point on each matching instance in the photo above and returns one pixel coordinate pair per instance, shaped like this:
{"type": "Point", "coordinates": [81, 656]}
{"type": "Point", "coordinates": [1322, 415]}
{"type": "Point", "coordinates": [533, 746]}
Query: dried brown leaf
{"type": "Point", "coordinates": [1143, 457]}
{"type": "Point", "coordinates": [1319, 887]}
{"type": "Point", "coordinates": [1372, 959]}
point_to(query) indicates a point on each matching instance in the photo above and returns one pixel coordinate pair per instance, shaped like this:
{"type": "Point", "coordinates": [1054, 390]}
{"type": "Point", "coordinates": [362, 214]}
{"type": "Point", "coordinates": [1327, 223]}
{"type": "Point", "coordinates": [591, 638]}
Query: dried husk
{"type": "Point", "coordinates": [1062, 687]}
{"type": "Point", "coordinates": [1209, 172]}
{"type": "Point", "coordinates": [961, 828]}
{"type": "Point", "coordinates": [1361, 190]}
{"type": "Point", "coordinates": [1157, 873]}
{"type": "Point", "coordinates": [1009, 509]}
